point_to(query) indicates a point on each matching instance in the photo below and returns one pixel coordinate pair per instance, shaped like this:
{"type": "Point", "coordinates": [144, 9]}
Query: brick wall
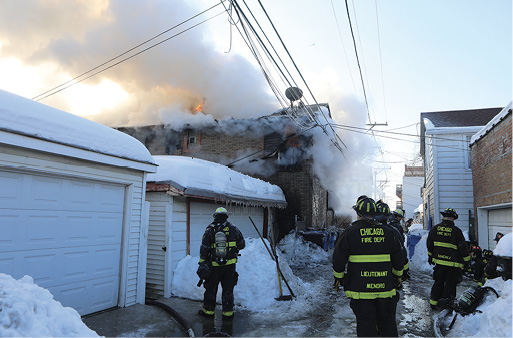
{"type": "Point", "coordinates": [491, 166]}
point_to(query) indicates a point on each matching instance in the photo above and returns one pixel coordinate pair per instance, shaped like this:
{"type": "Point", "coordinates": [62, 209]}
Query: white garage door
{"type": "Point", "coordinates": [499, 220]}
{"type": "Point", "coordinates": [64, 233]}
{"type": "Point", "coordinates": [201, 216]}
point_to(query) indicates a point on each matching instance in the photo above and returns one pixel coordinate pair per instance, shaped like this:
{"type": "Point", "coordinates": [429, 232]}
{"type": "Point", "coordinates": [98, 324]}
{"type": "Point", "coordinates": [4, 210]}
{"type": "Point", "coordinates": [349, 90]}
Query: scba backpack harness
{"type": "Point", "coordinates": [220, 244]}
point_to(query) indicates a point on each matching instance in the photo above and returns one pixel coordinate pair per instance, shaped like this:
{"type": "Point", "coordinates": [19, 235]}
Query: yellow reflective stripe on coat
{"type": "Point", "coordinates": [397, 273]}
{"type": "Point", "coordinates": [445, 245]}
{"type": "Point", "coordinates": [338, 274]}
{"type": "Point", "coordinates": [466, 258]}
{"type": "Point", "coordinates": [369, 258]}
{"type": "Point", "coordinates": [230, 261]}
{"type": "Point", "coordinates": [447, 263]}
{"type": "Point", "coordinates": [370, 295]}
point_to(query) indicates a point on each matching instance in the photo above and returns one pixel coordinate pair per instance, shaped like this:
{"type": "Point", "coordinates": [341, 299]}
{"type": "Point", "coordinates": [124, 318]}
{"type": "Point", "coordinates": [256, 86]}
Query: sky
{"type": "Point", "coordinates": [414, 56]}
{"type": "Point", "coordinates": [32, 311]}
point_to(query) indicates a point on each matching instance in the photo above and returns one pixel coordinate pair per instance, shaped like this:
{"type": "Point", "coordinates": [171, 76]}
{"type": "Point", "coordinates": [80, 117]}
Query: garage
{"type": "Point", "coordinates": [72, 211]}
{"type": "Point", "coordinates": [183, 196]}
{"type": "Point", "coordinates": [499, 220]}
{"type": "Point", "coordinates": [201, 213]}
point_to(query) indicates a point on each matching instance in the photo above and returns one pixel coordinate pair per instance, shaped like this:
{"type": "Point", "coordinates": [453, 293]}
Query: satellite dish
{"type": "Point", "coordinates": [293, 93]}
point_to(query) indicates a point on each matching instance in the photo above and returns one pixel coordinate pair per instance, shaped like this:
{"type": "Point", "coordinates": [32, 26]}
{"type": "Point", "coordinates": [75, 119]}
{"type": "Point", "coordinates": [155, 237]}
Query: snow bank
{"type": "Point", "coordinates": [258, 284]}
{"type": "Point", "coordinates": [504, 247]}
{"type": "Point", "coordinates": [27, 310]}
{"type": "Point", "coordinates": [495, 319]}
{"type": "Point", "coordinates": [419, 260]}
{"type": "Point", "coordinates": [296, 249]}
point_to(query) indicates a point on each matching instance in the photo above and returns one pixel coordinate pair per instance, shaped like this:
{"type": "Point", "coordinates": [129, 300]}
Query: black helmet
{"type": "Point", "coordinates": [449, 212]}
{"type": "Point", "coordinates": [498, 236]}
{"type": "Point", "coordinates": [365, 207]}
{"type": "Point", "coordinates": [383, 208]}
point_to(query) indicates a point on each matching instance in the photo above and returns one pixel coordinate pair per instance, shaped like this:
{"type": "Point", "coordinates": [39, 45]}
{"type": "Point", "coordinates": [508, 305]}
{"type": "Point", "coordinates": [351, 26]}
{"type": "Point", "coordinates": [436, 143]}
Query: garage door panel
{"type": "Point", "coordinates": [499, 220]}
{"type": "Point", "coordinates": [66, 234]}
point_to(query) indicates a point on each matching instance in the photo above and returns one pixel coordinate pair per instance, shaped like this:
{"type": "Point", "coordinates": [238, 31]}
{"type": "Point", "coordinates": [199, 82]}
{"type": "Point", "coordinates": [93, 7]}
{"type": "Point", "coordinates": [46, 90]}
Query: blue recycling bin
{"type": "Point", "coordinates": [411, 241]}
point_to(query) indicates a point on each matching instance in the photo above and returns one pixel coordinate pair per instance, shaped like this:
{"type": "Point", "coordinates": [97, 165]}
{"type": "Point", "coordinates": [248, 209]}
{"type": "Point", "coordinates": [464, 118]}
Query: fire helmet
{"type": "Point", "coordinates": [449, 212]}
{"type": "Point", "coordinates": [398, 212]}
{"type": "Point", "coordinates": [383, 208]}
{"type": "Point", "coordinates": [365, 206]}
{"type": "Point", "coordinates": [221, 211]}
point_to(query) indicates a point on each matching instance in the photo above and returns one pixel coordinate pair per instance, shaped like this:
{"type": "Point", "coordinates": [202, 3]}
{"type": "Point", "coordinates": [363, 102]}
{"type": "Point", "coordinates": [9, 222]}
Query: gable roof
{"type": "Point", "coordinates": [454, 119]}
{"type": "Point", "coordinates": [194, 177]}
{"type": "Point", "coordinates": [461, 118]}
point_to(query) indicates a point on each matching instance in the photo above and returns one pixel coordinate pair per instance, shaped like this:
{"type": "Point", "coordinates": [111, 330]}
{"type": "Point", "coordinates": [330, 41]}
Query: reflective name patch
{"type": "Point", "coordinates": [375, 285]}
{"type": "Point", "coordinates": [374, 273]}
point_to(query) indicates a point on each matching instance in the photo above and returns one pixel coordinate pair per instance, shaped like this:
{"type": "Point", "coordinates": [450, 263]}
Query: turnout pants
{"type": "Point", "coordinates": [446, 279]}
{"type": "Point", "coordinates": [375, 317]}
{"type": "Point", "coordinates": [227, 276]}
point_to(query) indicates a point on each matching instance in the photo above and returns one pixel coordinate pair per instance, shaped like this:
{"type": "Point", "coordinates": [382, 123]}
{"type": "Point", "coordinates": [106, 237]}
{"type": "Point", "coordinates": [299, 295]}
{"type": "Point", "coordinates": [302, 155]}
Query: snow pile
{"type": "Point", "coordinates": [299, 251]}
{"type": "Point", "coordinates": [495, 319]}
{"type": "Point", "coordinates": [419, 260]}
{"type": "Point", "coordinates": [504, 247]}
{"type": "Point", "coordinates": [258, 284]}
{"type": "Point", "coordinates": [27, 310]}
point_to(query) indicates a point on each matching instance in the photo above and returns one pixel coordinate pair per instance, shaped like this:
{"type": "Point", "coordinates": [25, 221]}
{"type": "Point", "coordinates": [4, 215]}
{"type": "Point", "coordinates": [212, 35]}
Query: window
{"type": "Point", "coordinates": [191, 140]}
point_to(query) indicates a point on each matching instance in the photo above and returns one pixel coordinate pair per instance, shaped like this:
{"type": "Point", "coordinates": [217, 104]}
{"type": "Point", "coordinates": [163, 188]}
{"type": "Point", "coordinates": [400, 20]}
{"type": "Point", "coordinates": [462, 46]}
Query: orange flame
{"type": "Point", "coordinates": [199, 107]}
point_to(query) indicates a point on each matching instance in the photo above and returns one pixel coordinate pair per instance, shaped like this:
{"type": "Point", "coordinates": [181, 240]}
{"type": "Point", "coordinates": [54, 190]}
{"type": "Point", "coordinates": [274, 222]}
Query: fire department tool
{"type": "Point", "coordinates": [289, 297]}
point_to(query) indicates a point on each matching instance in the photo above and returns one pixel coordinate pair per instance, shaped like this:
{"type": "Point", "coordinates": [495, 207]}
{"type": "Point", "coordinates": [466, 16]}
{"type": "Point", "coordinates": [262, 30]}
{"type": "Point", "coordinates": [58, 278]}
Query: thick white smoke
{"type": "Point", "coordinates": [165, 84]}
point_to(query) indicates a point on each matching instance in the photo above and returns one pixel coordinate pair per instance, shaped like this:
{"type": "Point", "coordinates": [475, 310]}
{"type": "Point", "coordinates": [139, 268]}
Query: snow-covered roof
{"type": "Point", "coordinates": [493, 122]}
{"type": "Point", "coordinates": [205, 179]}
{"type": "Point", "coordinates": [26, 123]}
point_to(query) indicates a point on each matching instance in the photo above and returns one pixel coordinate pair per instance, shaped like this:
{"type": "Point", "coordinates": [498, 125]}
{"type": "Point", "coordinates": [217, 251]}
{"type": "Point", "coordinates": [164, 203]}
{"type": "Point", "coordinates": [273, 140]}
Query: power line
{"type": "Point", "coordinates": [358, 60]}
{"type": "Point", "coordinates": [52, 92]}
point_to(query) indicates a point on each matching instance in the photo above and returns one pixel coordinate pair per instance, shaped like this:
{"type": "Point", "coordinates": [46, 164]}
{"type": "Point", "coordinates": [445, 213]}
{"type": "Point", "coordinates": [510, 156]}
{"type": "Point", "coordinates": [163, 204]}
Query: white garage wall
{"type": "Point", "coordinates": [20, 159]}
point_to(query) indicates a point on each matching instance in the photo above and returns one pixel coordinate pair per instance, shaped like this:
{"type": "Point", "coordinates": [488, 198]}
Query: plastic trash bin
{"type": "Point", "coordinates": [412, 240]}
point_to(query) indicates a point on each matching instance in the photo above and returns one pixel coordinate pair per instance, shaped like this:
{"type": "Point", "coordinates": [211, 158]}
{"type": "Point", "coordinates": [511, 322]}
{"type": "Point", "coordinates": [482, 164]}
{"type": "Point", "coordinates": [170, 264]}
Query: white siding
{"type": "Point", "coordinates": [167, 228]}
{"type": "Point", "coordinates": [454, 177]}
{"type": "Point", "coordinates": [411, 194]}
{"type": "Point", "coordinates": [156, 241]}
{"type": "Point", "coordinates": [24, 160]}
{"type": "Point", "coordinates": [429, 175]}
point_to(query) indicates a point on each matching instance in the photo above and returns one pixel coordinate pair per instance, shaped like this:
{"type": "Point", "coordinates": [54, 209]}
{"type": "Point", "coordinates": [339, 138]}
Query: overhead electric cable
{"type": "Point", "coordinates": [131, 56]}
{"type": "Point", "coordinates": [343, 47]}
{"type": "Point", "coordinates": [126, 52]}
{"type": "Point", "coordinates": [358, 61]}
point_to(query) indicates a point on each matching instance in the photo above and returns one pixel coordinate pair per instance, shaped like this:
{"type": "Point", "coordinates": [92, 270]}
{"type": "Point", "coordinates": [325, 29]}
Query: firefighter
{"type": "Point", "coordinates": [448, 251]}
{"type": "Point", "coordinates": [367, 262]}
{"type": "Point", "coordinates": [383, 217]}
{"type": "Point", "coordinates": [220, 247]}
{"type": "Point", "coordinates": [396, 218]}
{"type": "Point", "coordinates": [498, 265]}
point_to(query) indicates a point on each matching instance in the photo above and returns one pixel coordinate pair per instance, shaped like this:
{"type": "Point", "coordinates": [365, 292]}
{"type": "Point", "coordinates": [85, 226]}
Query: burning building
{"type": "Point", "coordinates": [272, 148]}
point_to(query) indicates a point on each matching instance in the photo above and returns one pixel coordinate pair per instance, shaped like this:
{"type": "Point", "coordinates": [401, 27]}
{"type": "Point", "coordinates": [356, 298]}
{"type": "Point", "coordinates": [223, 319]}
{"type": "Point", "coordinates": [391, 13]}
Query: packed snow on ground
{"type": "Point", "coordinates": [27, 310]}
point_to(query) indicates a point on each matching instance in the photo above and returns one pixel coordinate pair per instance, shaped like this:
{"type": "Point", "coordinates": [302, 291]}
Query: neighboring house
{"type": "Point", "coordinates": [445, 138]}
{"type": "Point", "coordinates": [72, 211]}
{"type": "Point", "coordinates": [413, 180]}
{"type": "Point", "coordinates": [271, 148]}
{"type": "Point", "coordinates": [491, 173]}
{"type": "Point", "coordinates": [184, 194]}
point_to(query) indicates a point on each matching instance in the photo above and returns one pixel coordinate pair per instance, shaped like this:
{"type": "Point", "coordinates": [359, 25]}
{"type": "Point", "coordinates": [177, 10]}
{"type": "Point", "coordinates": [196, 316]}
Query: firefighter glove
{"type": "Point", "coordinates": [338, 283]}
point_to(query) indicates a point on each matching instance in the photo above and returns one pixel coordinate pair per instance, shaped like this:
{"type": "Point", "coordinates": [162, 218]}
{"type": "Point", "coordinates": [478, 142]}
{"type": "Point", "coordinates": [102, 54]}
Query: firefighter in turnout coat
{"type": "Point", "coordinates": [448, 250]}
{"type": "Point", "coordinates": [367, 261]}
{"type": "Point", "coordinates": [220, 246]}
